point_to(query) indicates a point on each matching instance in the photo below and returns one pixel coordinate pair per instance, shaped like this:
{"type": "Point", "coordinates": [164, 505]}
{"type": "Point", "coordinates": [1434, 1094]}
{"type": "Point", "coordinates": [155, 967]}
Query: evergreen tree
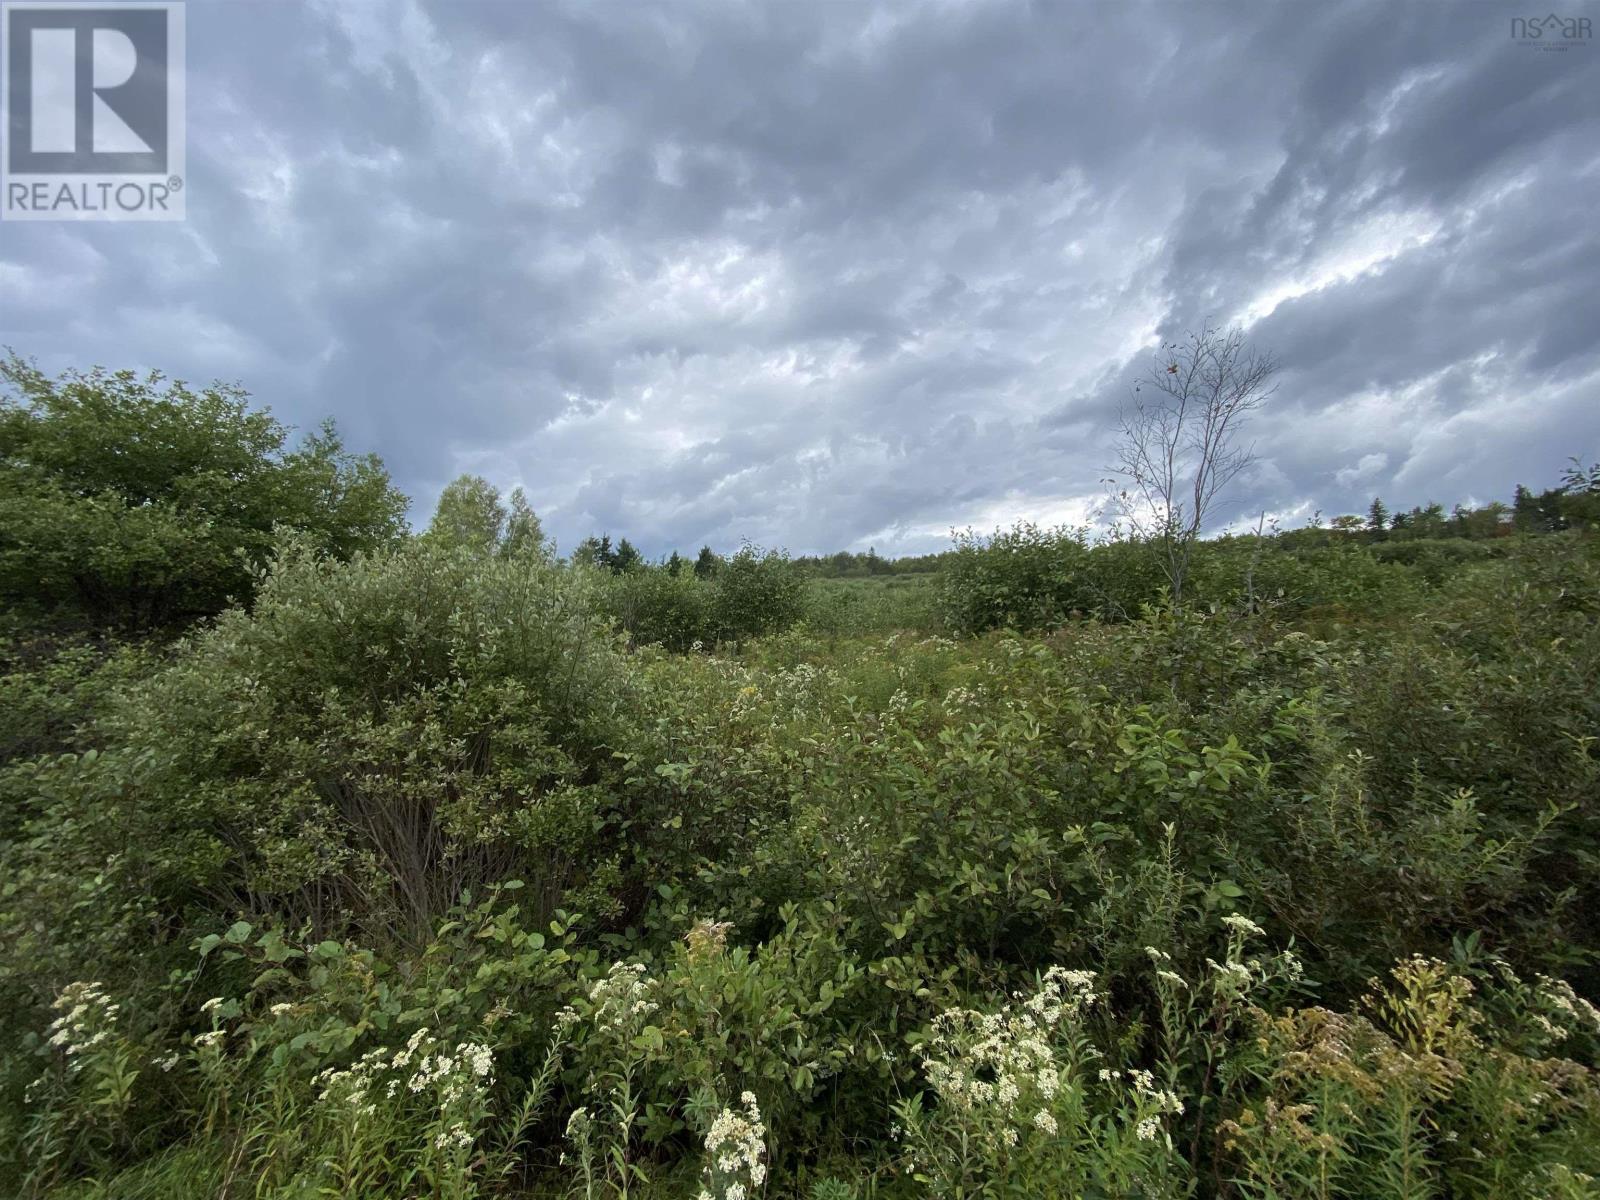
{"type": "Point", "coordinates": [1525, 516]}
{"type": "Point", "coordinates": [627, 558]}
{"type": "Point", "coordinates": [1428, 522]}
{"type": "Point", "coordinates": [1377, 517]}
{"type": "Point", "coordinates": [706, 565]}
{"type": "Point", "coordinates": [1552, 510]}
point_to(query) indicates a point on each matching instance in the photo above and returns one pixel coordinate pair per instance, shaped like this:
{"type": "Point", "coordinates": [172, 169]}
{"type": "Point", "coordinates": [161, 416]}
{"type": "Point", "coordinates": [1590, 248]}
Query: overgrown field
{"type": "Point", "coordinates": [424, 869]}
{"type": "Point", "coordinates": [415, 880]}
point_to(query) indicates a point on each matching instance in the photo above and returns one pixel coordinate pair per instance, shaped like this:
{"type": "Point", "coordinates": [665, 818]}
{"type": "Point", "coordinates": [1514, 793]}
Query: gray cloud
{"type": "Point", "coordinates": [825, 275]}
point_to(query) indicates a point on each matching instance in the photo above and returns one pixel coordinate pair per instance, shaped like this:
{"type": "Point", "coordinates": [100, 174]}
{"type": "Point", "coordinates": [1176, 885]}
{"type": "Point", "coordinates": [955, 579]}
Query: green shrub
{"type": "Point", "coordinates": [52, 687]}
{"type": "Point", "coordinates": [142, 505]}
{"type": "Point", "coordinates": [1435, 559]}
{"type": "Point", "coordinates": [755, 592]}
{"type": "Point", "coordinates": [372, 739]}
{"type": "Point", "coordinates": [655, 607]}
{"type": "Point", "coordinates": [1021, 578]}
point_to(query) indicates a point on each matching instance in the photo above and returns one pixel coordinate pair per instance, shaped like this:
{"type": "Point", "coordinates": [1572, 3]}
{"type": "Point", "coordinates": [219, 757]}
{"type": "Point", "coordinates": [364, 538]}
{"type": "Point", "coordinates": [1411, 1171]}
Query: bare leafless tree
{"type": "Point", "coordinates": [1179, 446]}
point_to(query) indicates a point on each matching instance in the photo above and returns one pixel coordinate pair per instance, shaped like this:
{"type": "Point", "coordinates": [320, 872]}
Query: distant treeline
{"type": "Point", "coordinates": [1570, 503]}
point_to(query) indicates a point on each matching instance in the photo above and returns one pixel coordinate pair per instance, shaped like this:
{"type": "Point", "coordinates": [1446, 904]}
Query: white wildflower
{"type": "Point", "coordinates": [88, 1020]}
{"type": "Point", "coordinates": [736, 1151]}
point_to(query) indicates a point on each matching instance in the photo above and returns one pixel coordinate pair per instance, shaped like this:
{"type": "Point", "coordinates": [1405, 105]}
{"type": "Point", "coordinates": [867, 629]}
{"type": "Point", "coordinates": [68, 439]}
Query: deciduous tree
{"type": "Point", "coordinates": [469, 514]}
{"type": "Point", "coordinates": [140, 501]}
{"type": "Point", "coordinates": [1180, 439]}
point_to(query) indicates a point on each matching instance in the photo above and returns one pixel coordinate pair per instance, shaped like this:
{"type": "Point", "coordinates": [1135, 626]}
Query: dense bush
{"type": "Point", "coordinates": [1436, 558]}
{"type": "Point", "coordinates": [951, 768]}
{"type": "Point", "coordinates": [1028, 578]}
{"type": "Point", "coordinates": [52, 686]}
{"type": "Point", "coordinates": [1020, 578]}
{"type": "Point", "coordinates": [373, 739]}
{"type": "Point", "coordinates": [755, 592]}
{"type": "Point", "coordinates": [146, 503]}
{"type": "Point", "coordinates": [655, 607]}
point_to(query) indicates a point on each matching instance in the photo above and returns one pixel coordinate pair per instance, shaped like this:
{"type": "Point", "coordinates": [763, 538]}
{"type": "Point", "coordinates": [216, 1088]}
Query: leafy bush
{"type": "Point", "coordinates": [53, 686]}
{"type": "Point", "coordinates": [373, 739]}
{"type": "Point", "coordinates": [655, 607]}
{"type": "Point", "coordinates": [143, 505]}
{"type": "Point", "coordinates": [1027, 578]}
{"type": "Point", "coordinates": [1020, 578]}
{"type": "Point", "coordinates": [1435, 559]}
{"type": "Point", "coordinates": [755, 592]}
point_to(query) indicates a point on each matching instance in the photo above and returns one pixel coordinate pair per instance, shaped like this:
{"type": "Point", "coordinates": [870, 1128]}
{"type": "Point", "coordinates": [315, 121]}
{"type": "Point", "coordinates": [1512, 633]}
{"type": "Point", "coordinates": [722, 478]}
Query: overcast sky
{"type": "Point", "coordinates": [831, 275]}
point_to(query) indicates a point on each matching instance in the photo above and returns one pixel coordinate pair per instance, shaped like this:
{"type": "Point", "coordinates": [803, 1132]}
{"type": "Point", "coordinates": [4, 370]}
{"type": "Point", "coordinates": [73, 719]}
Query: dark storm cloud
{"type": "Point", "coordinates": [826, 274]}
